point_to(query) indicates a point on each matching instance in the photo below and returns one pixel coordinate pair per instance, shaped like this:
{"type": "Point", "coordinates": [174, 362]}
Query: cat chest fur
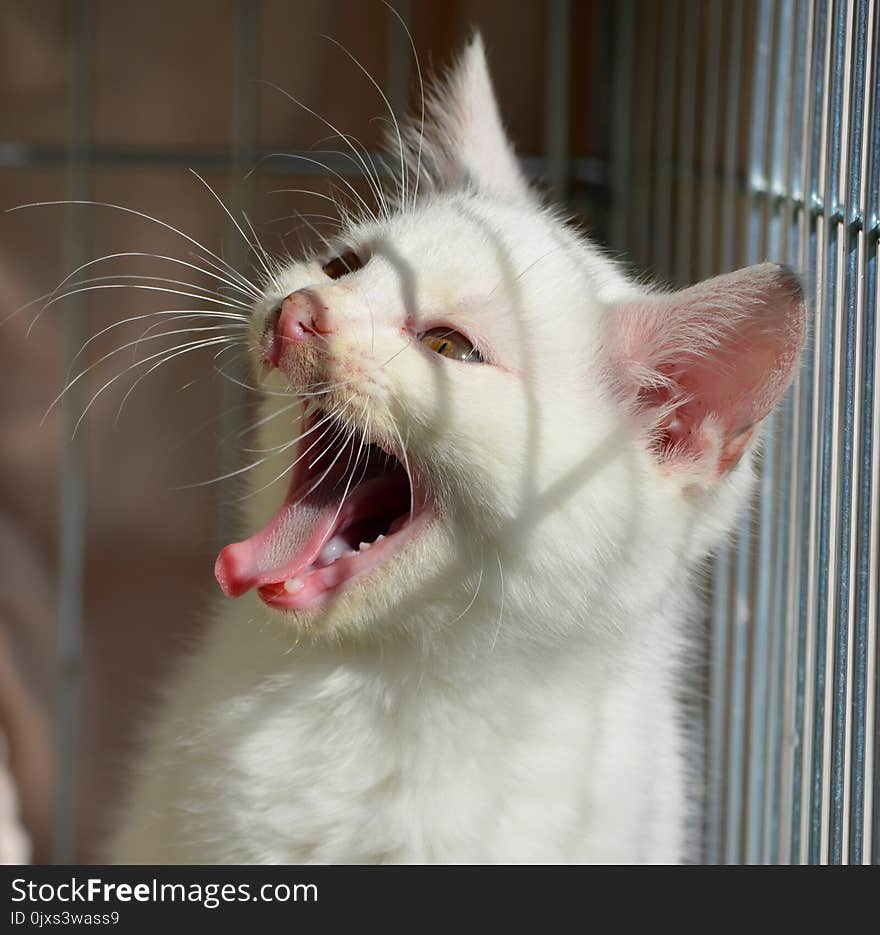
{"type": "Point", "coordinates": [362, 760]}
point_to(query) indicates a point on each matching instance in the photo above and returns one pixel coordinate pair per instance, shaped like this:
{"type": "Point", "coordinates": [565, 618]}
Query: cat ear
{"type": "Point", "coordinates": [465, 142]}
{"type": "Point", "coordinates": [702, 367]}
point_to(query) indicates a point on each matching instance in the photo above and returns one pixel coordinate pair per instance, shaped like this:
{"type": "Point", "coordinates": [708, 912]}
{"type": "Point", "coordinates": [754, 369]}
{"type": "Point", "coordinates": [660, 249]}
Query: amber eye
{"type": "Point", "coordinates": [449, 343]}
{"type": "Point", "coordinates": [347, 262]}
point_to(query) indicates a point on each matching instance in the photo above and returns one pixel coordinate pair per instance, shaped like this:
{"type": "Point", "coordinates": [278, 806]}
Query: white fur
{"type": "Point", "coordinates": [510, 688]}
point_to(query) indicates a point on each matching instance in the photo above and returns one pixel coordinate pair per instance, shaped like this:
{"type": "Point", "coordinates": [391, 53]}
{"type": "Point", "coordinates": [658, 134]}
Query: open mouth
{"type": "Point", "coordinates": [350, 508]}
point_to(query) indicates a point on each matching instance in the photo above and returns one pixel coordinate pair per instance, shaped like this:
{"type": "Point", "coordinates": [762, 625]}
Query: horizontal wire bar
{"type": "Point", "coordinates": [583, 170]}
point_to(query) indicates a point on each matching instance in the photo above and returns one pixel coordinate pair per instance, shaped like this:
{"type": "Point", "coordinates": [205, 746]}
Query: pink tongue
{"type": "Point", "coordinates": [290, 541]}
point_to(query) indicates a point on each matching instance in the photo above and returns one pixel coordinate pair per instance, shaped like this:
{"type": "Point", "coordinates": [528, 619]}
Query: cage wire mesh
{"type": "Point", "coordinates": [738, 132]}
{"type": "Point", "coordinates": [751, 131]}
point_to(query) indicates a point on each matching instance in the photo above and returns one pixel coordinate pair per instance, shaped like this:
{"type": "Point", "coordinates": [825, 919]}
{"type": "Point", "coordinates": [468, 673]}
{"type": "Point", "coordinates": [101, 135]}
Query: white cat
{"type": "Point", "coordinates": [551, 451]}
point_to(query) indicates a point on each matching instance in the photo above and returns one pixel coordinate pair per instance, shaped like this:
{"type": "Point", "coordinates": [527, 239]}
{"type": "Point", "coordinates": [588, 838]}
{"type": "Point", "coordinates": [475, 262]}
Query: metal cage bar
{"type": "Point", "coordinates": [794, 708]}
{"type": "Point", "coordinates": [72, 537]}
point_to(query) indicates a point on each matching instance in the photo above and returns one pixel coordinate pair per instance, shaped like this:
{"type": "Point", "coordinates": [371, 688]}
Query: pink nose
{"type": "Point", "coordinates": [302, 317]}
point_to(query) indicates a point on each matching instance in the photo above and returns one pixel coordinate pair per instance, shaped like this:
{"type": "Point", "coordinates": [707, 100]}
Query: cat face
{"type": "Point", "coordinates": [495, 420]}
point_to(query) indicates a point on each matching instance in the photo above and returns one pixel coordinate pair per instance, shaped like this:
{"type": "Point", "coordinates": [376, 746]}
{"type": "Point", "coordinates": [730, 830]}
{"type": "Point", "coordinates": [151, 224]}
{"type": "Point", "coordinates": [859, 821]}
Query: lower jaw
{"type": "Point", "coordinates": [318, 586]}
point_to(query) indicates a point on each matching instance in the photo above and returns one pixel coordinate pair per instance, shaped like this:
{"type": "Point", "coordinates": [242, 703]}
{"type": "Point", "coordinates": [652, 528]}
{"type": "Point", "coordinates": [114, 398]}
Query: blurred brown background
{"type": "Point", "coordinates": [112, 101]}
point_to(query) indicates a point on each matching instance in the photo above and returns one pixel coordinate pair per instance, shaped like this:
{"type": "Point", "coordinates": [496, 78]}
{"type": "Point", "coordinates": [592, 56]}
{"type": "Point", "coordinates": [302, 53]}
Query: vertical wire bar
{"type": "Point", "coordinates": [705, 267]}
{"type": "Point", "coordinates": [849, 416]}
{"type": "Point", "coordinates": [621, 132]}
{"type": "Point", "coordinates": [733, 844]}
{"type": "Point", "coordinates": [667, 69]}
{"type": "Point", "coordinates": [781, 121]}
{"type": "Point", "coordinates": [814, 688]}
{"type": "Point", "coordinates": [711, 104]}
{"type": "Point", "coordinates": [739, 833]}
{"type": "Point", "coordinates": [765, 59]}
{"type": "Point", "coordinates": [557, 91]}
{"type": "Point", "coordinates": [829, 502]}
{"type": "Point", "coordinates": [870, 502]}
{"type": "Point", "coordinates": [731, 134]}
{"type": "Point", "coordinates": [717, 699]}
{"type": "Point", "coordinates": [73, 477]}
{"type": "Point", "coordinates": [811, 246]}
{"type": "Point", "coordinates": [644, 179]}
{"type": "Point", "coordinates": [245, 135]}
{"type": "Point", "coordinates": [685, 150]}
{"type": "Point", "coordinates": [859, 209]}
{"type": "Point", "coordinates": [872, 726]}
{"type": "Point", "coordinates": [687, 105]}
{"type": "Point", "coordinates": [779, 820]}
{"type": "Point", "coordinates": [399, 57]}
{"type": "Point", "coordinates": [721, 618]}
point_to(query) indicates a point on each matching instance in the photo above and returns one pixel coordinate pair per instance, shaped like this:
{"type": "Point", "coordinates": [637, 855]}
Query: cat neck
{"type": "Point", "coordinates": [470, 655]}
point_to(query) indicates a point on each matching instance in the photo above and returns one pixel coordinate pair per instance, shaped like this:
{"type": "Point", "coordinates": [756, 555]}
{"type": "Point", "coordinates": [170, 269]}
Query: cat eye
{"type": "Point", "coordinates": [449, 343]}
{"type": "Point", "coordinates": [342, 265]}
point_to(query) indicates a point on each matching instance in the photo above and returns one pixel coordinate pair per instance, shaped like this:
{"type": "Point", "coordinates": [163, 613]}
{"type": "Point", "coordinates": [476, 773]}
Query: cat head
{"type": "Point", "coordinates": [498, 425]}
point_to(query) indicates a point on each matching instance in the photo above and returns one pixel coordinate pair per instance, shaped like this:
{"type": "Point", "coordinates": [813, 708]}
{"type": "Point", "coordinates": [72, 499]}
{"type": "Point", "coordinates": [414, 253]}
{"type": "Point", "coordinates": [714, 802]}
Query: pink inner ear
{"type": "Point", "coordinates": [707, 364]}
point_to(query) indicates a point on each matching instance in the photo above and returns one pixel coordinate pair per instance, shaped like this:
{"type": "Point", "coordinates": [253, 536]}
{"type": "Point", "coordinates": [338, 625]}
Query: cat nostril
{"type": "Point", "coordinates": [271, 325]}
{"type": "Point", "coordinates": [302, 317]}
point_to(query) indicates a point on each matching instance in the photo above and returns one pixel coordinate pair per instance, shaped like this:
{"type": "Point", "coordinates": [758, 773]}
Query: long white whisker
{"type": "Point", "coordinates": [118, 350]}
{"type": "Point", "coordinates": [299, 458]}
{"type": "Point", "coordinates": [356, 194]}
{"type": "Point", "coordinates": [207, 342]}
{"type": "Point", "coordinates": [252, 290]}
{"type": "Point", "coordinates": [321, 220]}
{"type": "Point", "coordinates": [251, 246]}
{"type": "Point", "coordinates": [421, 95]}
{"type": "Point", "coordinates": [403, 175]}
{"type": "Point", "coordinates": [359, 159]}
{"type": "Point", "coordinates": [211, 295]}
{"type": "Point", "coordinates": [288, 444]}
{"type": "Point", "coordinates": [106, 204]}
{"type": "Point", "coordinates": [146, 336]}
{"type": "Point", "coordinates": [249, 467]}
{"type": "Point", "coordinates": [339, 454]}
{"type": "Point", "coordinates": [265, 259]}
{"type": "Point", "coordinates": [314, 230]}
{"type": "Point", "coordinates": [285, 395]}
{"type": "Point", "coordinates": [70, 292]}
{"type": "Point", "coordinates": [226, 345]}
{"type": "Point", "coordinates": [172, 313]}
{"type": "Point", "coordinates": [307, 214]}
{"type": "Point", "coordinates": [397, 353]}
{"type": "Point", "coordinates": [369, 173]}
{"type": "Point", "coordinates": [477, 590]}
{"type": "Point", "coordinates": [343, 429]}
{"type": "Point", "coordinates": [157, 256]}
{"type": "Point", "coordinates": [412, 505]}
{"type": "Point", "coordinates": [302, 191]}
{"type": "Point", "coordinates": [353, 468]}
{"type": "Point", "coordinates": [501, 611]}
{"type": "Point", "coordinates": [253, 426]}
{"type": "Point", "coordinates": [92, 279]}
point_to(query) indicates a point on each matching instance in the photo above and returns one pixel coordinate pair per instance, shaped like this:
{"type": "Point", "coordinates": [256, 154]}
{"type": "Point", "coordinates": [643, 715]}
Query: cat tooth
{"type": "Point", "coordinates": [364, 546]}
{"type": "Point", "coordinates": [380, 538]}
{"type": "Point", "coordinates": [292, 585]}
{"type": "Point", "coordinates": [335, 548]}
